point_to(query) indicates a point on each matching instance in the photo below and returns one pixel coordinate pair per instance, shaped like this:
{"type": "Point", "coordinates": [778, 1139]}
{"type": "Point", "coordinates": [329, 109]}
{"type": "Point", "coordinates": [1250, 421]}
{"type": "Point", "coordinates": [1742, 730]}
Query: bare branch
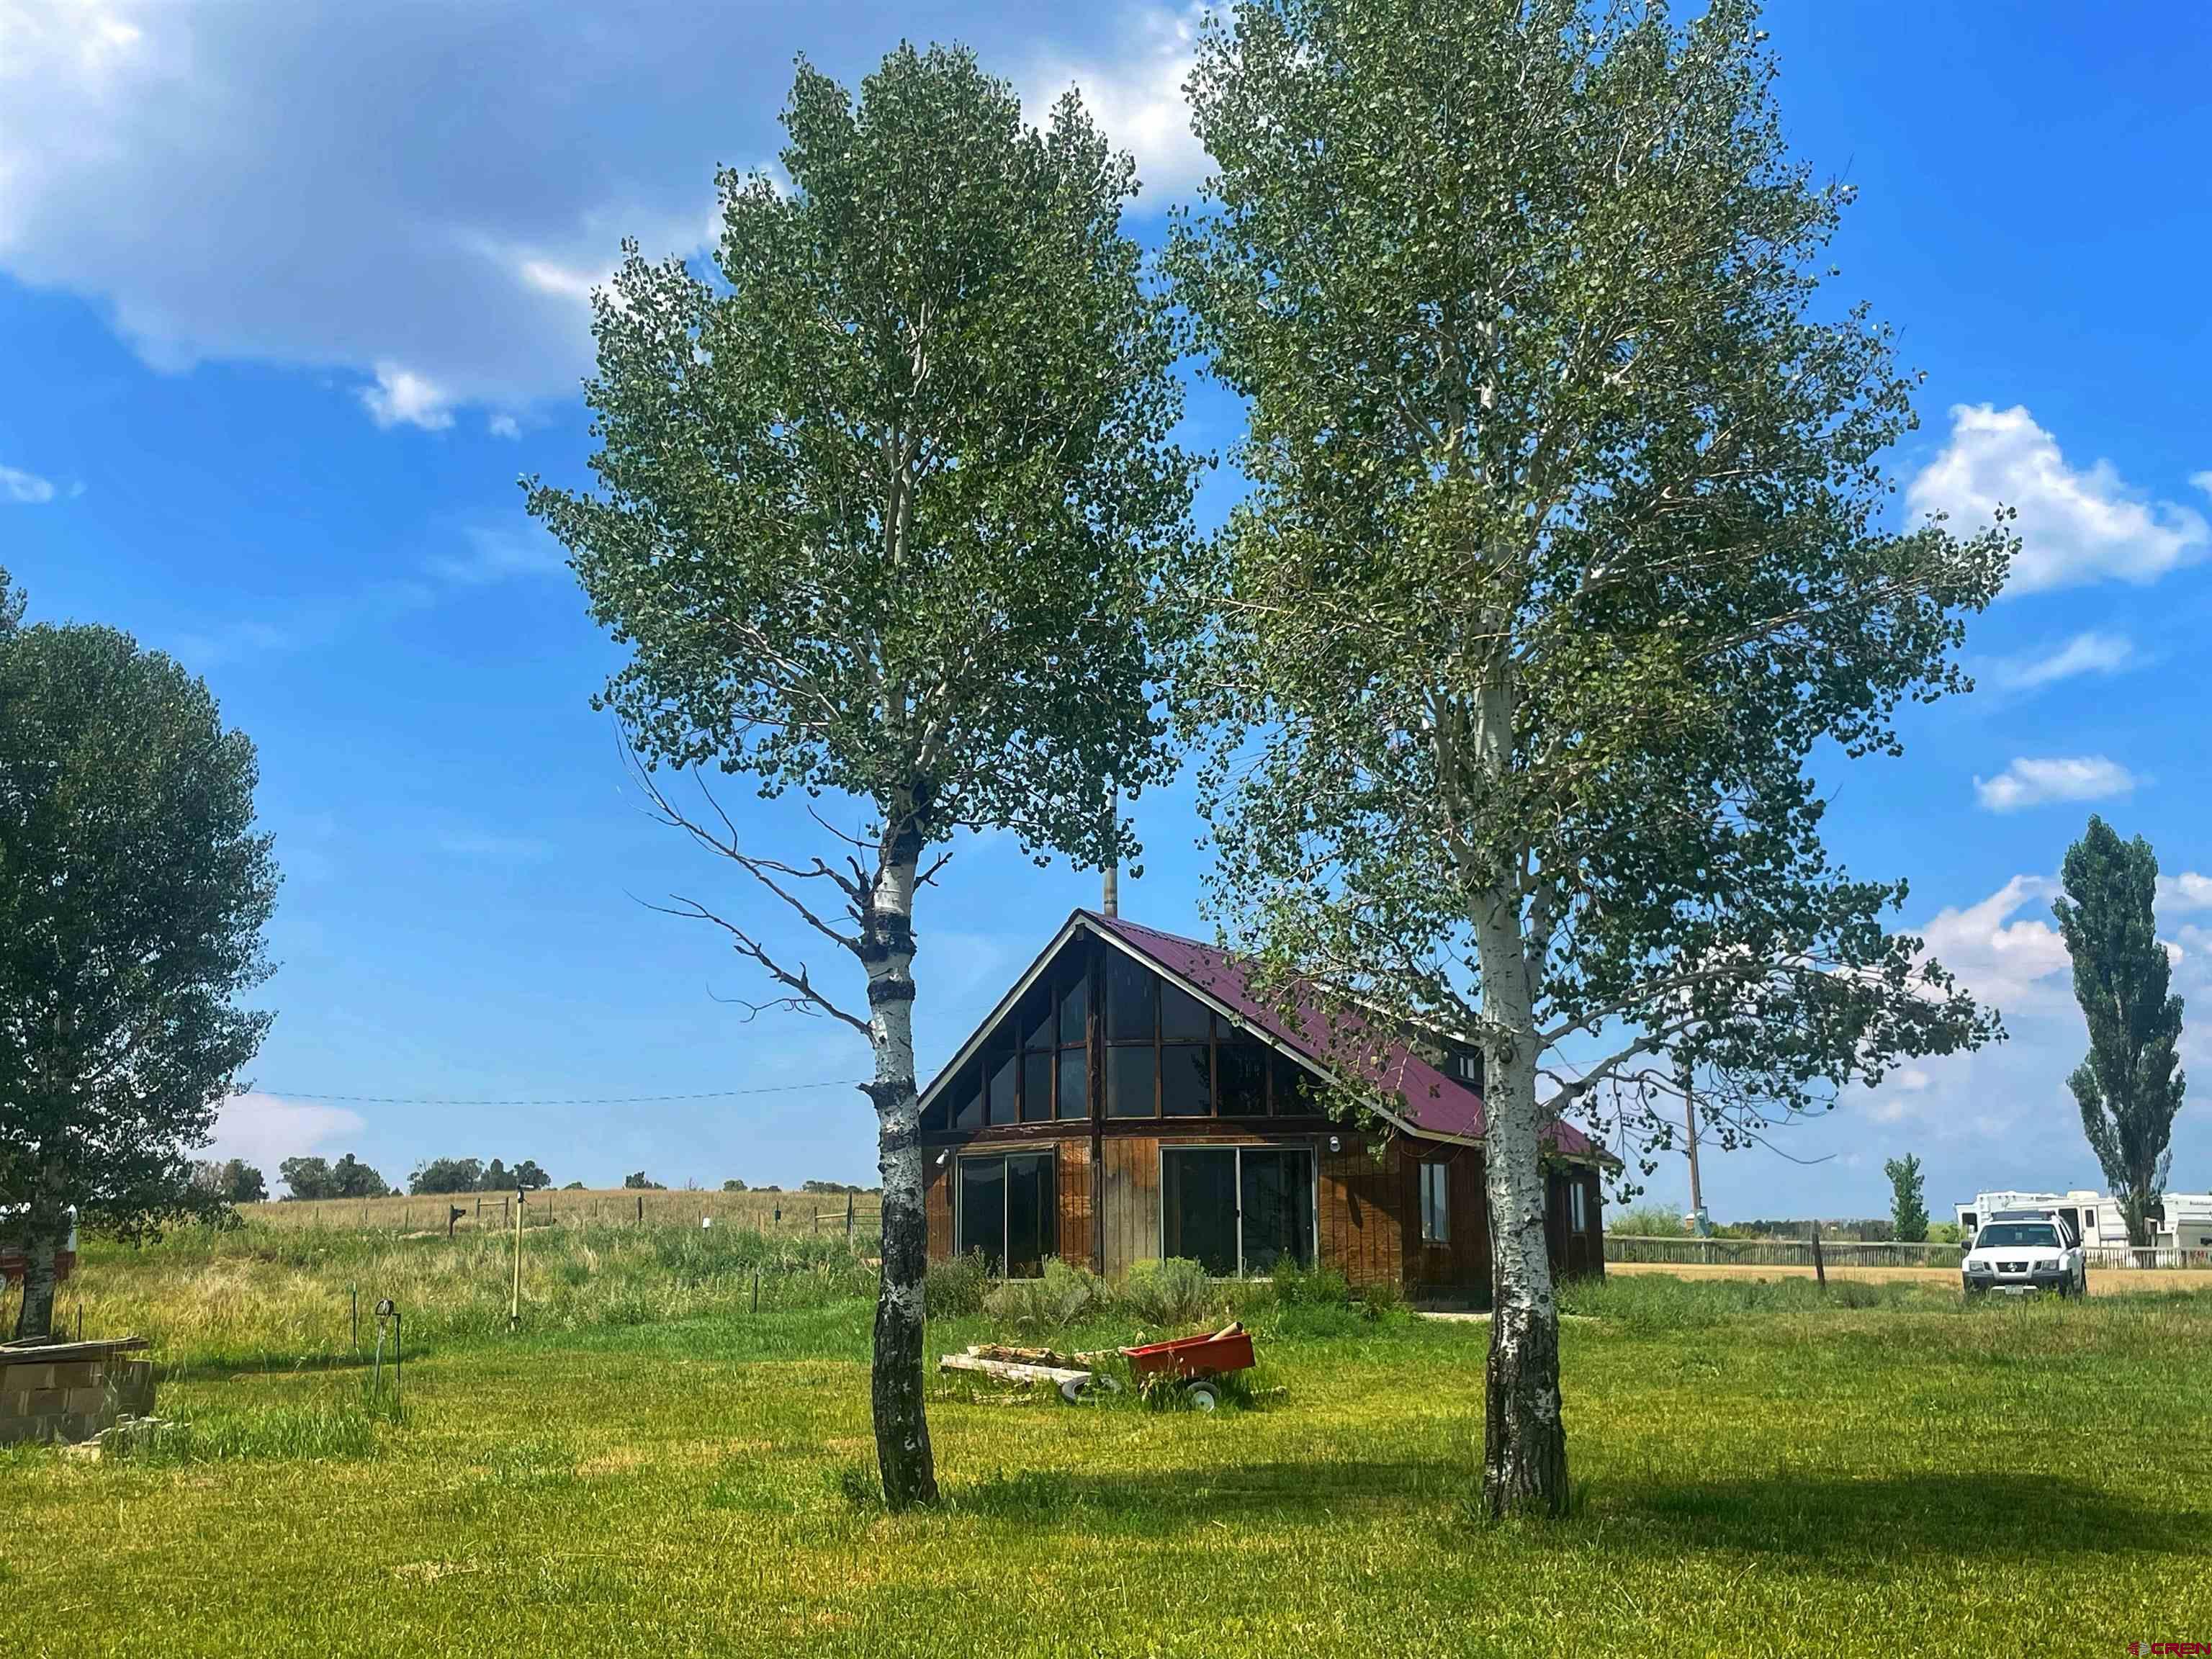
{"type": "Point", "coordinates": [800, 984]}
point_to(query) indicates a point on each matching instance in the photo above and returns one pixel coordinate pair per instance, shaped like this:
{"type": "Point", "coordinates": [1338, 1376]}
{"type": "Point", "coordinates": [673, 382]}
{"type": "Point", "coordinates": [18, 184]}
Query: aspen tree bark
{"type": "Point", "coordinates": [1524, 1465]}
{"type": "Point", "coordinates": [902, 1449]}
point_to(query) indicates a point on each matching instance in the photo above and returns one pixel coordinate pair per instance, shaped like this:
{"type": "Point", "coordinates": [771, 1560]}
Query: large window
{"type": "Point", "coordinates": [1033, 1066]}
{"type": "Point", "coordinates": [1006, 1208]}
{"type": "Point", "coordinates": [1162, 1052]}
{"type": "Point", "coordinates": [1436, 1203]}
{"type": "Point", "coordinates": [1238, 1210]}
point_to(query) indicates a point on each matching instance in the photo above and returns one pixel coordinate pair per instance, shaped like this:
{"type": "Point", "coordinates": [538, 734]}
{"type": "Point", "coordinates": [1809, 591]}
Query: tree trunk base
{"type": "Point", "coordinates": [1524, 1466]}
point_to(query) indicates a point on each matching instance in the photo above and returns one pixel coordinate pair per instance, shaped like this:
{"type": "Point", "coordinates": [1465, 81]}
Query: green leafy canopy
{"type": "Point", "coordinates": [885, 507]}
{"type": "Point", "coordinates": [2130, 1085]}
{"type": "Point", "coordinates": [1565, 554]}
{"type": "Point", "coordinates": [134, 890]}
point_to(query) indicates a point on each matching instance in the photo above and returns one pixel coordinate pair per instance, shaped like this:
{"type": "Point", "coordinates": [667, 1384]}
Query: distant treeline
{"type": "Point", "coordinates": [317, 1177]}
{"type": "Point", "coordinates": [473, 1175]}
{"type": "Point", "coordinates": [236, 1182]}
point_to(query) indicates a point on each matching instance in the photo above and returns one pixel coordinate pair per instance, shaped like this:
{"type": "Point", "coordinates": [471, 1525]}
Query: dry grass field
{"type": "Point", "coordinates": [781, 1213]}
{"type": "Point", "coordinates": [2103, 1281]}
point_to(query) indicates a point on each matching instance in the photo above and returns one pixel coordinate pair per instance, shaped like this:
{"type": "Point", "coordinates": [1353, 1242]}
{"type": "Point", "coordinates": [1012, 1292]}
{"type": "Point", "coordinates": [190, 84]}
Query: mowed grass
{"type": "Point", "coordinates": [1759, 1469]}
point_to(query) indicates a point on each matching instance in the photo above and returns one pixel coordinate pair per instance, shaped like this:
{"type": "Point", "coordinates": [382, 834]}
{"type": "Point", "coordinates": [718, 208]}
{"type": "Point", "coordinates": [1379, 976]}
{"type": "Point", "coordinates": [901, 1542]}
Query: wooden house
{"type": "Point", "coordinates": [1128, 1098]}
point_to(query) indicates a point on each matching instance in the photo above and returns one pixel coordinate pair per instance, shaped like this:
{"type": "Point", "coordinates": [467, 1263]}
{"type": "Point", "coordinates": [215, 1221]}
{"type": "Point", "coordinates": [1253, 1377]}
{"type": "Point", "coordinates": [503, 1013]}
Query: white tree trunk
{"type": "Point", "coordinates": [1524, 1466]}
{"type": "Point", "coordinates": [902, 1449]}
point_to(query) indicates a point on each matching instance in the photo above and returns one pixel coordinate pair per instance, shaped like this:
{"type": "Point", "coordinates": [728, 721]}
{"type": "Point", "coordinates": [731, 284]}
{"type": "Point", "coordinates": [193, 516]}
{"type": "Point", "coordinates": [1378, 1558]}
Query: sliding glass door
{"type": "Point", "coordinates": [1007, 1208]}
{"type": "Point", "coordinates": [1238, 1210]}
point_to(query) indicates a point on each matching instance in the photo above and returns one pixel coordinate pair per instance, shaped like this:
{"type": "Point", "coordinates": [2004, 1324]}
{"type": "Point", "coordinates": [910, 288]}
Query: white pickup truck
{"type": "Point", "coordinates": [2019, 1250]}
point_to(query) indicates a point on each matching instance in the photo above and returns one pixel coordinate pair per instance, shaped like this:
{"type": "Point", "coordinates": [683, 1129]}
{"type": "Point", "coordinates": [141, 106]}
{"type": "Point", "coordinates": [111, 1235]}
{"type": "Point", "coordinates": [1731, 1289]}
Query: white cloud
{"type": "Point", "coordinates": [503, 426]}
{"type": "Point", "coordinates": [2075, 526]}
{"type": "Point", "coordinates": [403, 397]}
{"type": "Point", "coordinates": [1136, 97]}
{"type": "Point", "coordinates": [174, 165]}
{"type": "Point", "coordinates": [2031, 782]}
{"type": "Point", "coordinates": [26, 488]}
{"type": "Point", "coordinates": [498, 555]}
{"type": "Point", "coordinates": [2001, 960]}
{"type": "Point", "coordinates": [2185, 892]}
{"type": "Point", "coordinates": [2091, 653]}
{"type": "Point", "coordinates": [265, 1130]}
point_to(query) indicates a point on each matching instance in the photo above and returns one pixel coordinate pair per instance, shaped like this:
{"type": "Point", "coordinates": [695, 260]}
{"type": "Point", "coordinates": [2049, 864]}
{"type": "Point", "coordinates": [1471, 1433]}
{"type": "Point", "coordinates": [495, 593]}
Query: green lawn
{"type": "Point", "coordinates": [1757, 1471]}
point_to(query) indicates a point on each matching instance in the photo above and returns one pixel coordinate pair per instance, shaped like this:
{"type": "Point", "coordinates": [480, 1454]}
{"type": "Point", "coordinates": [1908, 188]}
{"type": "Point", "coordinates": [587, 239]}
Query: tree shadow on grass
{"type": "Point", "coordinates": [1168, 1500]}
{"type": "Point", "coordinates": [1822, 1521]}
{"type": "Point", "coordinates": [237, 1367]}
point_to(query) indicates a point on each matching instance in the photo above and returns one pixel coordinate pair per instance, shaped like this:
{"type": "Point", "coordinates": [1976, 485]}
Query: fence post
{"type": "Point", "coordinates": [1819, 1267]}
{"type": "Point", "coordinates": [641, 1209]}
{"type": "Point", "coordinates": [848, 1217]}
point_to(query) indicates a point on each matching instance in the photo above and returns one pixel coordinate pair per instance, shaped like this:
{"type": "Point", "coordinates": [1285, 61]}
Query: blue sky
{"type": "Point", "coordinates": [291, 293]}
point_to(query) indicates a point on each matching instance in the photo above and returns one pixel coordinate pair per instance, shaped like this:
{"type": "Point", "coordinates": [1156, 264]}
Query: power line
{"type": "Point", "coordinates": [574, 1099]}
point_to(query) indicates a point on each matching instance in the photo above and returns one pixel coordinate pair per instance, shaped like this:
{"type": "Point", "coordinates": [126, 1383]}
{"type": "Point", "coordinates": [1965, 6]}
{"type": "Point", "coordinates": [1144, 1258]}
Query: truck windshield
{"type": "Point", "coordinates": [2017, 1234]}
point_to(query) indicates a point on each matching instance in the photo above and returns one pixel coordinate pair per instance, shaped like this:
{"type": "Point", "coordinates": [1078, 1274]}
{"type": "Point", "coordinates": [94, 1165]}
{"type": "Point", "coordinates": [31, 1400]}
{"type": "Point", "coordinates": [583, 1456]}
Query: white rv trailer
{"type": "Point", "coordinates": [2188, 1222]}
{"type": "Point", "coordinates": [2185, 1224]}
{"type": "Point", "coordinates": [2095, 1220]}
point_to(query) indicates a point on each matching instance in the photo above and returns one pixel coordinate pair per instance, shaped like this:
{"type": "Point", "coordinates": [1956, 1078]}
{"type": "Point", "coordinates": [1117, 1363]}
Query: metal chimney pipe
{"type": "Point", "coordinates": [1110, 900]}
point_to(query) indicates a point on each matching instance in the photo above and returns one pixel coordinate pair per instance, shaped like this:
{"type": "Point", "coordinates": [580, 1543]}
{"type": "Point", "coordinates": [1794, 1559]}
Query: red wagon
{"type": "Point", "coordinates": [1196, 1361]}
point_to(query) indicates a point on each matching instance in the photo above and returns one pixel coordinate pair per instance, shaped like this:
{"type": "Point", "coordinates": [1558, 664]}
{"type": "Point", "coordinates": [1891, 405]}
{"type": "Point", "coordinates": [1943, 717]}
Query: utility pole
{"type": "Point", "coordinates": [1698, 1224]}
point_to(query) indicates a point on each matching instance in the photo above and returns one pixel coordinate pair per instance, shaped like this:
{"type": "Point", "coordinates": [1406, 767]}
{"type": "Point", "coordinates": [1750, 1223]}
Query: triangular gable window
{"type": "Point", "coordinates": [1163, 1053]}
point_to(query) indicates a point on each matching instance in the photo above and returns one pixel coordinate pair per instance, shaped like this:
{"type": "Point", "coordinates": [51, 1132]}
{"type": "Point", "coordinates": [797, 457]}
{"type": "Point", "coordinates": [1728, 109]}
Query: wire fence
{"type": "Point", "coordinates": [1776, 1252]}
{"type": "Point", "coordinates": [1855, 1253]}
{"type": "Point", "coordinates": [859, 1215]}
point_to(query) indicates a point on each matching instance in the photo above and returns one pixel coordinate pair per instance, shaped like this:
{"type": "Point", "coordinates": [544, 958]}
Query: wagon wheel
{"type": "Point", "coordinates": [1204, 1396]}
{"type": "Point", "coordinates": [1076, 1390]}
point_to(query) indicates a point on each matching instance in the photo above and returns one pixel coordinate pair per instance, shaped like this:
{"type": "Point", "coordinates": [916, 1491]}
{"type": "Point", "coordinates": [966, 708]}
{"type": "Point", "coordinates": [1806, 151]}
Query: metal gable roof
{"type": "Point", "coordinates": [1432, 1105]}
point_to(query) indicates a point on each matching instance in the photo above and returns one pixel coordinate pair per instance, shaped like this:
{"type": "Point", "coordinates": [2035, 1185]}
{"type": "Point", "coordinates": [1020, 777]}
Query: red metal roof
{"type": "Point", "coordinates": [1432, 1103]}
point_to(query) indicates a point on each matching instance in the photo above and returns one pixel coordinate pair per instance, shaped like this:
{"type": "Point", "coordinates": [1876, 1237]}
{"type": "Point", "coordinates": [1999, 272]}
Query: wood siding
{"type": "Point", "coordinates": [937, 1206]}
{"type": "Point", "coordinates": [1362, 1219]}
{"type": "Point", "coordinates": [1460, 1266]}
{"type": "Point", "coordinates": [1076, 1244]}
{"type": "Point", "coordinates": [1129, 1207]}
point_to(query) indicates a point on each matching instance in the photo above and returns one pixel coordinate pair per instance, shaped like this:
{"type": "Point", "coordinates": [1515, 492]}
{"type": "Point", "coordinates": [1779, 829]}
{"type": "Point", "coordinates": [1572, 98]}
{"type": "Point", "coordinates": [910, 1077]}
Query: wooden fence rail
{"type": "Point", "coordinates": [1852, 1253]}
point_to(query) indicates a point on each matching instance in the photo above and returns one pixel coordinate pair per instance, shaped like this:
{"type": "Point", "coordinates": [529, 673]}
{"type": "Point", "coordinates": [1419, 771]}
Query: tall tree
{"type": "Point", "coordinates": [133, 893]}
{"type": "Point", "coordinates": [2131, 1084]}
{"type": "Point", "coordinates": [1562, 554]}
{"type": "Point", "coordinates": [233, 1180]}
{"type": "Point", "coordinates": [1908, 1199]}
{"type": "Point", "coordinates": [882, 520]}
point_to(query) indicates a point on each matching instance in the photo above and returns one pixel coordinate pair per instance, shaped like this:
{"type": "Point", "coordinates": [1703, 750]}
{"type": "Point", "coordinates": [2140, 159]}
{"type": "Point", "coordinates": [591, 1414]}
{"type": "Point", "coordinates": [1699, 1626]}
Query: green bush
{"type": "Point", "coordinates": [1175, 1291]}
{"type": "Point", "coordinates": [1294, 1286]}
{"type": "Point", "coordinates": [1650, 1220]}
{"type": "Point", "coordinates": [1062, 1296]}
{"type": "Point", "coordinates": [956, 1287]}
{"type": "Point", "coordinates": [1384, 1301]}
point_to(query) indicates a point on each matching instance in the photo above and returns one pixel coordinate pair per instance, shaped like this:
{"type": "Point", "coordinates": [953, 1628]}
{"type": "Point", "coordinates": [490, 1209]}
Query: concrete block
{"type": "Point", "coordinates": [77, 1373]}
{"type": "Point", "coordinates": [90, 1401]}
{"type": "Point", "coordinates": [27, 1377]}
{"type": "Point", "coordinates": [46, 1402]}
